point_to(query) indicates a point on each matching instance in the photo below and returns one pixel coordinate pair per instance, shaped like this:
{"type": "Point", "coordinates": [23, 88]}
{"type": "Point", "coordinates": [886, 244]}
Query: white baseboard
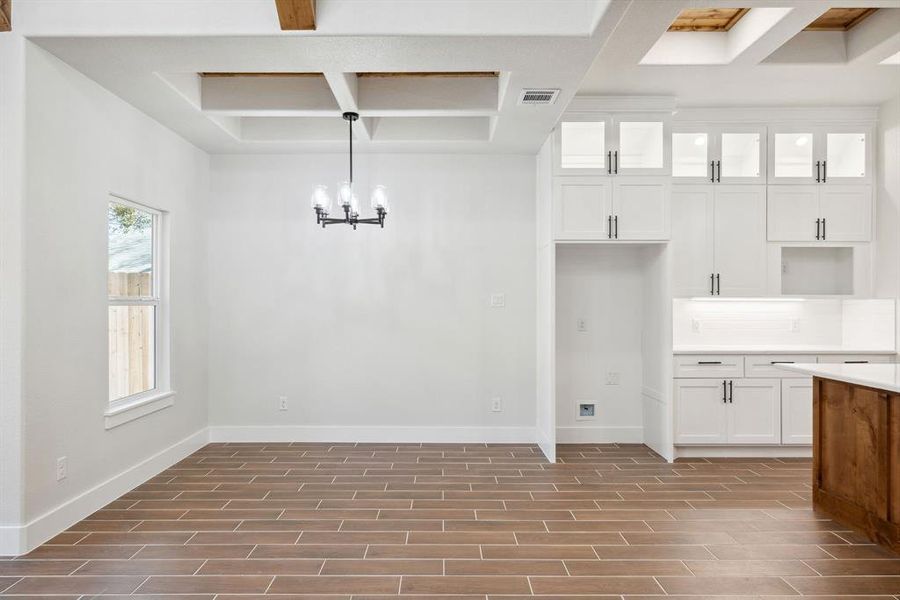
{"type": "Point", "coordinates": [335, 433]}
{"type": "Point", "coordinates": [743, 451]}
{"type": "Point", "coordinates": [16, 540]}
{"type": "Point", "coordinates": [599, 435]}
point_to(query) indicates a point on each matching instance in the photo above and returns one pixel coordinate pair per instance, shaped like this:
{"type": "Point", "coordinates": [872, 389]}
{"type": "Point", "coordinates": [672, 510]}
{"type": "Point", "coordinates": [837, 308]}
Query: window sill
{"type": "Point", "coordinates": [138, 408]}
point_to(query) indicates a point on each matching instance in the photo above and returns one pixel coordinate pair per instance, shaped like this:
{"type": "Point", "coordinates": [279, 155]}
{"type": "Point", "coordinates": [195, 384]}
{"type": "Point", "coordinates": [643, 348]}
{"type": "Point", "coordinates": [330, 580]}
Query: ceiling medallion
{"type": "Point", "coordinates": [322, 203]}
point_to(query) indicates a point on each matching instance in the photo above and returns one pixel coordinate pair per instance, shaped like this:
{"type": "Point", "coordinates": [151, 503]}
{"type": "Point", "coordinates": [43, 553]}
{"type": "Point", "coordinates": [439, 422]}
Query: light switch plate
{"type": "Point", "coordinates": [498, 300]}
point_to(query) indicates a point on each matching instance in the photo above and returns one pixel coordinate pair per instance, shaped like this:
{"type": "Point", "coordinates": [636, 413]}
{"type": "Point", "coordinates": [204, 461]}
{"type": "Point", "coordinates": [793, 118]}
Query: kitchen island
{"type": "Point", "coordinates": [856, 446]}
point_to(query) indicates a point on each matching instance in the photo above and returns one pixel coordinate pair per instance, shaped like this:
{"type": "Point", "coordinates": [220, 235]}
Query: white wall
{"type": "Point", "coordinates": [82, 144]}
{"type": "Point", "coordinates": [604, 285]}
{"type": "Point", "coordinates": [373, 334]}
{"type": "Point", "coordinates": [887, 224]}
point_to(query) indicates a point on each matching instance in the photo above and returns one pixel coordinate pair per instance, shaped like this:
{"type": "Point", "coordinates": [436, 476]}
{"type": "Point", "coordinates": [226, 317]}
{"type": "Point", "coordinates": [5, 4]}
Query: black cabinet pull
{"type": "Point", "coordinates": [712, 171]}
{"type": "Point", "coordinates": [818, 171]}
{"type": "Point", "coordinates": [818, 227]}
{"type": "Point", "coordinates": [616, 222]}
{"type": "Point", "coordinates": [709, 362]}
{"type": "Point", "coordinates": [824, 171]}
{"type": "Point", "coordinates": [782, 362]}
{"type": "Point", "coordinates": [823, 230]}
{"type": "Point", "coordinates": [609, 227]}
{"type": "Point", "coordinates": [609, 163]}
{"type": "Point", "coordinates": [616, 169]}
{"type": "Point", "coordinates": [712, 284]}
{"type": "Point", "coordinates": [731, 392]}
{"type": "Point", "coordinates": [718, 284]}
{"type": "Point", "coordinates": [718, 171]}
{"type": "Point", "coordinates": [724, 391]}
{"type": "Point", "coordinates": [856, 362]}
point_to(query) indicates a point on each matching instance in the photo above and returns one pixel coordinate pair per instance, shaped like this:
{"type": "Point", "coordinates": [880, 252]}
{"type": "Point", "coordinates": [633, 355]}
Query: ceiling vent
{"type": "Point", "coordinates": [538, 96]}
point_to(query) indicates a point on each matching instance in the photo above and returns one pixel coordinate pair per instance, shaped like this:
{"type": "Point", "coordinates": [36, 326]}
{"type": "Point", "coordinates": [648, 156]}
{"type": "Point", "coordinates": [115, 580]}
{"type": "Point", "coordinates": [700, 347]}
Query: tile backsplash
{"type": "Point", "coordinates": [784, 323]}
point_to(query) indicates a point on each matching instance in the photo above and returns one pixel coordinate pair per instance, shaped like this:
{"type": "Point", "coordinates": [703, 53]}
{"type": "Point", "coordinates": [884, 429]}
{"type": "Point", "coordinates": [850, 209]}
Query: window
{"type": "Point", "coordinates": [136, 371]}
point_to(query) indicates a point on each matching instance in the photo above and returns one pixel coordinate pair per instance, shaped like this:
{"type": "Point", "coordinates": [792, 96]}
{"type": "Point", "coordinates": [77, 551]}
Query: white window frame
{"type": "Point", "coordinates": [128, 408]}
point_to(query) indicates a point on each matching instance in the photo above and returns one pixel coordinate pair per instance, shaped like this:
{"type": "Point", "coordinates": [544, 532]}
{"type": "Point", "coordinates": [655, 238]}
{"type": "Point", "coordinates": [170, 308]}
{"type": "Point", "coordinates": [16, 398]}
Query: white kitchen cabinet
{"type": "Point", "coordinates": [796, 411]}
{"type": "Point", "coordinates": [582, 207]}
{"type": "Point", "coordinates": [820, 154]}
{"type": "Point", "coordinates": [754, 411]}
{"type": "Point", "coordinates": [728, 411]}
{"type": "Point", "coordinates": [700, 411]}
{"type": "Point", "coordinates": [719, 240]}
{"type": "Point", "coordinates": [740, 249]}
{"type": "Point", "coordinates": [600, 208]}
{"type": "Point", "coordinates": [710, 154]}
{"type": "Point", "coordinates": [812, 213]}
{"type": "Point", "coordinates": [613, 144]}
{"type": "Point", "coordinates": [846, 212]}
{"type": "Point", "coordinates": [641, 208]}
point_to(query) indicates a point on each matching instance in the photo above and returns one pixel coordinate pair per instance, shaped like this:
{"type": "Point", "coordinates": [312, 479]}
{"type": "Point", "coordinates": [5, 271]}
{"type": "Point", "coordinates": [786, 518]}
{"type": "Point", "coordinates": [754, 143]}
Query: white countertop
{"type": "Point", "coordinates": [879, 376]}
{"type": "Point", "coordinates": [774, 350]}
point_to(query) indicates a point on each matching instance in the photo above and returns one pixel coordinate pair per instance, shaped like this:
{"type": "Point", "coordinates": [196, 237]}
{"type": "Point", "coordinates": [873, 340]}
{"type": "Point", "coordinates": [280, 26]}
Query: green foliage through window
{"type": "Point", "coordinates": [125, 219]}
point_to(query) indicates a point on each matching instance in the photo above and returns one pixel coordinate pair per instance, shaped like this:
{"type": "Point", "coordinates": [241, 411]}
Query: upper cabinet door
{"type": "Point", "coordinates": [792, 155]}
{"type": "Point", "coordinates": [582, 208]}
{"type": "Point", "coordinates": [846, 212]}
{"type": "Point", "coordinates": [741, 154]}
{"type": "Point", "coordinates": [641, 208]}
{"type": "Point", "coordinates": [692, 240]}
{"type": "Point", "coordinates": [847, 154]}
{"type": "Point", "coordinates": [642, 146]}
{"type": "Point", "coordinates": [793, 214]}
{"type": "Point", "coordinates": [582, 146]}
{"type": "Point", "coordinates": [692, 155]}
{"type": "Point", "coordinates": [740, 240]}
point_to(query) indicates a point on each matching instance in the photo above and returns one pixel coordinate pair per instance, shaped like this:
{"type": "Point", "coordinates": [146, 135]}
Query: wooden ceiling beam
{"type": "Point", "coordinates": [296, 15]}
{"type": "Point", "coordinates": [5, 15]}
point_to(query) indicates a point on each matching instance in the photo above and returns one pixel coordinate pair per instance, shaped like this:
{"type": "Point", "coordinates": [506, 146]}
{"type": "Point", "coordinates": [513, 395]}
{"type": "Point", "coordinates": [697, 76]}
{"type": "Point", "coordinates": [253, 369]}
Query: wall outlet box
{"type": "Point", "coordinates": [613, 378]}
{"type": "Point", "coordinates": [585, 411]}
{"type": "Point", "coordinates": [496, 405]}
{"type": "Point", "coordinates": [695, 325]}
{"type": "Point", "coordinates": [282, 402]}
{"type": "Point", "coordinates": [62, 468]}
{"type": "Point", "coordinates": [498, 300]}
{"type": "Point", "coordinates": [581, 325]}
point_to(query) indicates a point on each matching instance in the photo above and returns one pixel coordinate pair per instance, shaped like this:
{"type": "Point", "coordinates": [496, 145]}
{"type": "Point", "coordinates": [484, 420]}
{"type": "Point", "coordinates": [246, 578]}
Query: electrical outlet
{"type": "Point", "coordinates": [795, 325]}
{"type": "Point", "coordinates": [498, 300]}
{"type": "Point", "coordinates": [612, 378]}
{"type": "Point", "coordinates": [582, 324]}
{"type": "Point", "coordinates": [496, 405]}
{"type": "Point", "coordinates": [282, 402]}
{"type": "Point", "coordinates": [62, 468]}
{"type": "Point", "coordinates": [784, 268]}
{"type": "Point", "coordinates": [695, 325]}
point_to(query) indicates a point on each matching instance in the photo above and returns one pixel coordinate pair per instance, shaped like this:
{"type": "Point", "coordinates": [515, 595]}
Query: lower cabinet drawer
{"type": "Point", "coordinates": [766, 365]}
{"type": "Point", "coordinates": [855, 358]}
{"type": "Point", "coordinates": [713, 366]}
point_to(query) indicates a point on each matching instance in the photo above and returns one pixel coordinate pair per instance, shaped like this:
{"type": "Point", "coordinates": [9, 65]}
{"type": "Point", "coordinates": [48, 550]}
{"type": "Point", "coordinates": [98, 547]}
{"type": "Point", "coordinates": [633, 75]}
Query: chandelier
{"type": "Point", "coordinates": [321, 201]}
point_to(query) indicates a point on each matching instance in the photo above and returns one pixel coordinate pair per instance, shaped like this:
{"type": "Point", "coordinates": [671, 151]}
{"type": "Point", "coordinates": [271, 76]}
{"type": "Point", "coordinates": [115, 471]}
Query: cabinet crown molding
{"type": "Point", "coordinates": [770, 115]}
{"type": "Point", "coordinates": [619, 104]}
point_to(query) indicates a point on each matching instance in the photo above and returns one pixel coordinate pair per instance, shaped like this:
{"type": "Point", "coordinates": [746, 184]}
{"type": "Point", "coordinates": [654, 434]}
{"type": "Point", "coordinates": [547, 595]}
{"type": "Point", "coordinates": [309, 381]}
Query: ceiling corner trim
{"type": "Point", "coordinates": [296, 15]}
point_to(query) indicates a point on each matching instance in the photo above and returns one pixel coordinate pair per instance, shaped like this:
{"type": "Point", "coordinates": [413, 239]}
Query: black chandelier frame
{"type": "Point", "coordinates": [353, 220]}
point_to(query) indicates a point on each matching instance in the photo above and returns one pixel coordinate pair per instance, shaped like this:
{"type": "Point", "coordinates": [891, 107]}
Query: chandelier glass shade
{"type": "Point", "coordinates": [347, 199]}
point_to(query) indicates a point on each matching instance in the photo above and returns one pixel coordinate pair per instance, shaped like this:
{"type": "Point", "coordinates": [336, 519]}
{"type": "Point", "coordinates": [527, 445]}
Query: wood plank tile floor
{"type": "Point", "coordinates": [457, 522]}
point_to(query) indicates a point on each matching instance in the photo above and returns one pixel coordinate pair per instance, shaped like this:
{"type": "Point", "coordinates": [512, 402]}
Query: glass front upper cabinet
{"type": "Point", "coordinates": [635, 144]}
{"type": "Point", "coordinates": [826, 154]}
{"type": "Point", "coordinates": [707, 154]}
{"type": "Point", "coordinates": [582, 147]}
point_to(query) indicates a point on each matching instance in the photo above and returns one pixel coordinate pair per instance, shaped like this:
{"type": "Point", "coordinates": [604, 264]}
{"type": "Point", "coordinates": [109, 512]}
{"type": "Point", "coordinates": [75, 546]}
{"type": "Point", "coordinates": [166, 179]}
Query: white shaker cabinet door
{"type": "Point", "coordinates": [700, 411]}
{"type": "Point", "coordinates": [796, 411]}
{"type": "Point", "coordinates": [582, 208]}
{"type": "Point", "coordinates": [740, 240]}
{"type": "Point", "coordinates": [793, 213]}
{"type": "Point", "coordinates": [754, 411]}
